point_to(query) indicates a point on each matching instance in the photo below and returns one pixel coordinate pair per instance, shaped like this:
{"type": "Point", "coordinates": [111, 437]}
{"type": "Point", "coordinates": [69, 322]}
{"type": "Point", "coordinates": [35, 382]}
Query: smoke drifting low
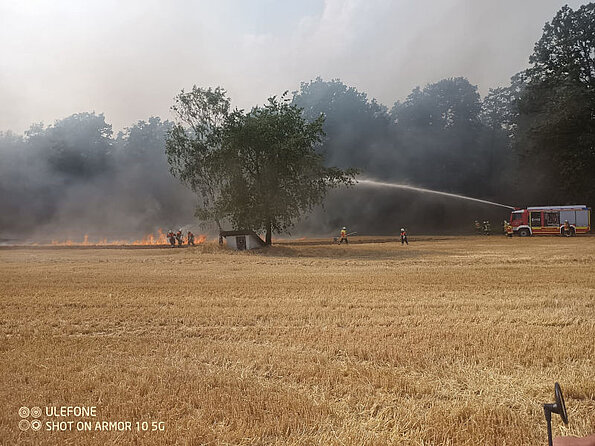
{"type": "Point", "coordinates": [434, 139]}
{"type": "Point", "coordinates": [384, 211]}
{"type": "Point", "coordinates": [75, 178]}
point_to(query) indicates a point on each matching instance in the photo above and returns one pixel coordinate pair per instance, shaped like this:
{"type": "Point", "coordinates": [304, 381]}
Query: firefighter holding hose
{"type": "Point", "coordinates": [404, 237]}
{"type": "Point", "coordinates": [344, 236]}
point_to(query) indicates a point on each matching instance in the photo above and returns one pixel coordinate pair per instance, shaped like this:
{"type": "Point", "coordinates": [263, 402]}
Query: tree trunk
{"type": "Point", "coordinates": [269, 236]}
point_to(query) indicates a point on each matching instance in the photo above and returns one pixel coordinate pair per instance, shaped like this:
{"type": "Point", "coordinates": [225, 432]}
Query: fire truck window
{"type": "Point", "coordinates": [551, 218]}
{"type": "Point", "coordinates": [517, 216]}
{"type": "Point", "coordinates": [535, 219]}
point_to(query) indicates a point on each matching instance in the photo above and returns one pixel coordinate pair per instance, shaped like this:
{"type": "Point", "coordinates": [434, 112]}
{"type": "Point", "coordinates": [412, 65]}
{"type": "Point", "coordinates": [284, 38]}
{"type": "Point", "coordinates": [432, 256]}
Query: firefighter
{"type": "Point", "coordinates": [508, 229]}
{"type": "Point", "coordinates": [171, 237]}
{"type": "Point", "coordinates": [344, 236]}
{"type": "Point", "coordinates": [404, 237]}
{"type": "Point", "coordinates": [477, 227]}
{"type": "Point", "coordinates": [179, 237]}
{"type": "Point", "coordinates": [190, 238]}
{"type": "Point", "coordinates": [566, 230]}
{"type": "Point", "coordinates": [487, 229]}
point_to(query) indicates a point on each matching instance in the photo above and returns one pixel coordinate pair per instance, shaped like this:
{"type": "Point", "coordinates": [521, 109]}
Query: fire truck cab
{"type": "Point", "coordinates": [551, 220]}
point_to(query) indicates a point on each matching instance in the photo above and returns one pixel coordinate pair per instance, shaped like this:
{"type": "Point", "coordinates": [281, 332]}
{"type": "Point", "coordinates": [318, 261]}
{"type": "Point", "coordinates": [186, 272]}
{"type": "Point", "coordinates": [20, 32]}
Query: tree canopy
{"type": "Point", "coordinates": [259, 170]}
{"type": "Point", "coordinates": [556, 122]}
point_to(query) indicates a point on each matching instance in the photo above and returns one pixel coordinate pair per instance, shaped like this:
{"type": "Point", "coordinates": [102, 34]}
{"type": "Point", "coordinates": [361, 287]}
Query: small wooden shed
{"type": "Point", "coordinates": [242, 239]}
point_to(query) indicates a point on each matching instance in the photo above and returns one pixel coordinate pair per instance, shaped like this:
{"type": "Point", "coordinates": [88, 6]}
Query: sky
{"type": "Point", "coordinates": [129, 58]}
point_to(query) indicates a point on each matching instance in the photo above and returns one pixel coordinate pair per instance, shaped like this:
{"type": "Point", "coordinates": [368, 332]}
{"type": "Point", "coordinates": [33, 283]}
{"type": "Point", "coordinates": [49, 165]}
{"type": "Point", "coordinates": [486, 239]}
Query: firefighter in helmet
{"type": "Point", "coordinates": [190, 238]}
{"type": "Point", "coordinates": [179, 237]}
{"type": "Point", "coordinates": [566, 229]}
{"type": "Point", "coordinates": [404, 236]}
{"type": "Point", "coordinates": [343, 236]}
{"type": "Point", "coordinates": [508, 229]}
{"type": "Point", "coordinates": [171, 237]}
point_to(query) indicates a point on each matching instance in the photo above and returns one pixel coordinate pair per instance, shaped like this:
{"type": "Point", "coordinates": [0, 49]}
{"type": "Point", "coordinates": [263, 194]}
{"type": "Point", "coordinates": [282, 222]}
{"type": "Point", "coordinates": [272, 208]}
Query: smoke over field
{"type": "Point", "coordinates": [74, 178]}
{"type": "Point", "coordinates": [445, 341]}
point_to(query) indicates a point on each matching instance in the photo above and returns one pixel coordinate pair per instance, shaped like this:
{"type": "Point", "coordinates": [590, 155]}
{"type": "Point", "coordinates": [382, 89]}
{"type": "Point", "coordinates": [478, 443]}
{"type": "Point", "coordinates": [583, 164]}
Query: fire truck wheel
{"type": "Point", "coordinates": [524, 232]}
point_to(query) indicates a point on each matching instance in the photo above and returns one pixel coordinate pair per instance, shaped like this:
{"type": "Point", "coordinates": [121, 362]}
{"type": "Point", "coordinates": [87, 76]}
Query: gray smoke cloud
{"type": "Point", "coordinates": [74, 178]}
{"type": "Point", "coordinates": [128, 59]}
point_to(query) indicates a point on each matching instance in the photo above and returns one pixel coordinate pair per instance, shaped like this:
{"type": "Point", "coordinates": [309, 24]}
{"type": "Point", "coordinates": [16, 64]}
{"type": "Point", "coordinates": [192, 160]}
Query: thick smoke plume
{"type": "Point", "coordinates": [435, 139]}
{"type": "Point", "coordinates": [75, 177]}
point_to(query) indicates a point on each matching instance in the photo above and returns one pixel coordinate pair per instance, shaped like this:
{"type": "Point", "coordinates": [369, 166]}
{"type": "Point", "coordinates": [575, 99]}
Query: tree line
{"type": "Point", "coordinates": [532, 141]}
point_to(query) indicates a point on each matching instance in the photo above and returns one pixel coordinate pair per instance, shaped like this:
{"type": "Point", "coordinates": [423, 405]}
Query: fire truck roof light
{"type": "Point", "coordinates": [546, 208]}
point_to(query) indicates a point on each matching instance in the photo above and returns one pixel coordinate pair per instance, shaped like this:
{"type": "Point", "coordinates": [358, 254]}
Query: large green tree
{"type": "Point", "coordinates": [556, 124]}
{"type": "Point", "coordinates": [259, 169]}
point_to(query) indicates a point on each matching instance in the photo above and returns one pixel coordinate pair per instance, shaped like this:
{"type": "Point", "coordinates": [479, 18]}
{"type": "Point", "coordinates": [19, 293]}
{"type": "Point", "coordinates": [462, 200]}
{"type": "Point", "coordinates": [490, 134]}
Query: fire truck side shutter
{"type": "Point", "coordinates": [582, 218]}
{"type": "Point", "coordinates": [568, 215]}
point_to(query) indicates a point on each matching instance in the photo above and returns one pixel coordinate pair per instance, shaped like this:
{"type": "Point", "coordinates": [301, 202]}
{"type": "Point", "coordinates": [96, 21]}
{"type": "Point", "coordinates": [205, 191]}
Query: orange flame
{"type": "Point", "coordinates": [147, 240]}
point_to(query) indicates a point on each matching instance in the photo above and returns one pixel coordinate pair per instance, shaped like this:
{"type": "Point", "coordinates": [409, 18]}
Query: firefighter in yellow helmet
{"type": "Point", "coordinates": [343, 236]}
{"type": "Point", "coordinates": [508, 229]}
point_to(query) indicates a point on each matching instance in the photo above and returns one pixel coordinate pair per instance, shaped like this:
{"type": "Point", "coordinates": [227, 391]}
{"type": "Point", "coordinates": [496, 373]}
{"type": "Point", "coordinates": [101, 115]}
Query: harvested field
{"type": "Point", "coordinates": [447, 341]}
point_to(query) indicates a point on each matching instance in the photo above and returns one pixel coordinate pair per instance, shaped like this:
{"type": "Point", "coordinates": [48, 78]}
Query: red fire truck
{"type": "Point", "coordinates": [557, 220]}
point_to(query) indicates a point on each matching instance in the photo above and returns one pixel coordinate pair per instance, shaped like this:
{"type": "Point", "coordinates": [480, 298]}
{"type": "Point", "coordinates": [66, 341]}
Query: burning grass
{"type": "Point", "coordinates": [455, 341]}
{"type": "Point", "coordinates": [159, 239]}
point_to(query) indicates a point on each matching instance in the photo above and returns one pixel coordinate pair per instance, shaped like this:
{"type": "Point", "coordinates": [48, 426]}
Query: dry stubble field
{"type": "Point", "coordinates": [449, 341]}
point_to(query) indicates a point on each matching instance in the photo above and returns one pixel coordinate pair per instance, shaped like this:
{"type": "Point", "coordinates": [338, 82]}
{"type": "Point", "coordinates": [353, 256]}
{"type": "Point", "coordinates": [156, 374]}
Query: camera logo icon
{"type": "Point", "coordinates": [25, 412]}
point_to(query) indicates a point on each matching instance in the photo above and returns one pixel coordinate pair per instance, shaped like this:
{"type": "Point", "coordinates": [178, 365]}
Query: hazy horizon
{"type": "Point", "coordinates": [128, 60]}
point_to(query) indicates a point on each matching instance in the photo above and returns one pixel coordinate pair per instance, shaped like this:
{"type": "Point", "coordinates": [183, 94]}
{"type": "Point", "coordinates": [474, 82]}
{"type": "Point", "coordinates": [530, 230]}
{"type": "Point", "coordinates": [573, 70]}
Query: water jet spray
{"type": "Point", "coordinates": [430, 191]}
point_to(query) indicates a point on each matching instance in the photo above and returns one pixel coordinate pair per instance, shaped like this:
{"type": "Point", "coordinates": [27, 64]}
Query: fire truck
{"type": "Point", "coordinates": [556, 220]}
